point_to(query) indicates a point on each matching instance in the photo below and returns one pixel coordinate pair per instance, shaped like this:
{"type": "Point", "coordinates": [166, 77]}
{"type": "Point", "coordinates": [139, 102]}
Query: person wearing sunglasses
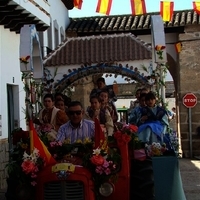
{"type": "Point", "coordinates": [77, 128]}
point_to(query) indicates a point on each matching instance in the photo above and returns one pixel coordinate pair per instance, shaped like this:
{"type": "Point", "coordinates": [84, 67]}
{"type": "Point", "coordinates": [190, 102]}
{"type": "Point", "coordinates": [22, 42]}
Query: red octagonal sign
{"type": "Point", "coordinates": [189, 100]}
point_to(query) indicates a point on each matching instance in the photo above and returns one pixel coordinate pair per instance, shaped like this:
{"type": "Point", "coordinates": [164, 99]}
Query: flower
{"type": "Point", "coordinates": [156, 149]}
{"type": "Point", "coordinates": [159, 51]}
{"type": "Point", "coordinates": [127, 134]}
{"type": "Point", "coordinates": [25, 59]}
{"type": "Point", "coordinates": [24, 165]}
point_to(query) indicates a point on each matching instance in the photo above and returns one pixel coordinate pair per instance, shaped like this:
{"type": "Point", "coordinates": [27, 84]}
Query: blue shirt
{"type": "Point", "coordinates": [86, 130]}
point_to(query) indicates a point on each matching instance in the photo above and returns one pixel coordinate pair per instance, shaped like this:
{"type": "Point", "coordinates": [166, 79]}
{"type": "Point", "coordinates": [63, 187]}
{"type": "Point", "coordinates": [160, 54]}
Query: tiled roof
{"type": "Point", "coordinates": [97, 49]}
{"type": "Point", "coordinates": [139, 24]}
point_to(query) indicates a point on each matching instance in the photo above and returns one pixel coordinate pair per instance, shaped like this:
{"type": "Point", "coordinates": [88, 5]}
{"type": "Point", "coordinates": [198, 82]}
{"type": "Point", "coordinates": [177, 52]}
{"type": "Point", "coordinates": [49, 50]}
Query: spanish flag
{"type": "Point", "coordinates": [35, 142]}
{"type": "Point", "coordinates": [104, 6]}
{"type": "Point", "coordinates": [166, 10]}
{"type": "Point", "coordinates": [196, 7]}
{"type": "Point", "coordinates": [78, 3]}
{"type": "Point", "coordinates": [138, 7]}
{"type": "Point", "coordinates": [178, 47]}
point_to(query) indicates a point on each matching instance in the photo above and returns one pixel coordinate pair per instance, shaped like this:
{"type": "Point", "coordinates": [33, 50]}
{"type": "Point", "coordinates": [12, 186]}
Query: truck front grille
{"type": "Point", "coordinates": [64, 190]}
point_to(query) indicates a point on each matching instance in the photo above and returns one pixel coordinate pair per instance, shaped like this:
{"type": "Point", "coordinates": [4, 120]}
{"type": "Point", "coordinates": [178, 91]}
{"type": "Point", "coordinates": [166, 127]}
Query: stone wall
{"type": "Point", "coordinates": [189, 76]}
{"type": "Point", "coordinates": [4, 156]}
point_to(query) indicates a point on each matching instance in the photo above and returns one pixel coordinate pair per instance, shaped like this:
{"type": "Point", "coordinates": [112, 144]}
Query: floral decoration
{"type": "Point", "coordinates": [24, 165]}
{"type": "Point", "coordinates": [25, 59]}
{"type": "Point", "coordinates": [159, 51]}
{"type": "Point", "coordinates": [128, 134]}
{"type": "Point", "coordinates": [156, 149]}
{"type": "Point", "coordinates": [32, 164]}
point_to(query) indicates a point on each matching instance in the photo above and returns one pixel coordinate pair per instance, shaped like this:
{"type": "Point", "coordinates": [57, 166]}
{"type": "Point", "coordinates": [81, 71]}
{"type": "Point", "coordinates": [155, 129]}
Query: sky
{"type": "Point", "coordinates": [120, 7]}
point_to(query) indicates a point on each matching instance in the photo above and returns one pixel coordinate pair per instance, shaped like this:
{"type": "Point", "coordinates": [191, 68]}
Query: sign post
{"type": "Point", "coordinates": [190, 101]}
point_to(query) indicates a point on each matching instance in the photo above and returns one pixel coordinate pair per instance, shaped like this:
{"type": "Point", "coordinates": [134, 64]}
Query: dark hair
{"type": "Point", "coordinates": [101, 79]}
{"type": "Point", "coordinates": [48, 96]}
{"type": "Point", "coordinates": [150, 96]}
{"type": "Point", "coordinates": [75, 103]}
{"type": "Point", "coordinates": [58, 94]}
{"type": "Point", "coordinates": [142, 95]}
{"type": "Point", "coordinates": [58, 100]}
{"type": "Point", "coordinates": [95, 97]}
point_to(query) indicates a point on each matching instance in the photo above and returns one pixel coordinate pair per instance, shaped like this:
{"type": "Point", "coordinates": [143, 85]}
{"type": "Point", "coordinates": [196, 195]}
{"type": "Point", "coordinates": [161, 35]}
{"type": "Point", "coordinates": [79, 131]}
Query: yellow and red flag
{"type": "Point", "coordinates": [35, 142]}
{"type": "Point", "coordinates": [138, 7]}
{"type": "Point", "coordinates": [166, 10]}
{"type": "Point", "coordinates": [178, 47]}
{"type": "Point", "coordinates": [78, 3]}
{"type": "Point", "coordinates": [196, 7]}
{"type": "Point", "coordinates": [104, 6]}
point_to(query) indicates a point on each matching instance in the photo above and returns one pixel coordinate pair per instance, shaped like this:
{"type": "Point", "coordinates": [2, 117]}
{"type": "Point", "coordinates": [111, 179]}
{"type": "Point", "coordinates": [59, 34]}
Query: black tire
{"type": "Point", "coordinates": [141, 180]}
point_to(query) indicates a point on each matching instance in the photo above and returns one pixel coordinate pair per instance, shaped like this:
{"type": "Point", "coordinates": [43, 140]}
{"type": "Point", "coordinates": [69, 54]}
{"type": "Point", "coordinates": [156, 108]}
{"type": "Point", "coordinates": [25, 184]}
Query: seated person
{"type": "Point", "coordinates": [153, 121]}
{"type": "Point", "coordinates": [105, 104]}
{"type": "Point", "coordinates": [50, 118]}
{"type": "Point", "coordinates": [77, 128]}
{"type": "Point", "coordinates": [103, 115]}
{"type": "Point", "coordinates": [60, 104]}
{"type": "Point", "coordinates": [135, 114]}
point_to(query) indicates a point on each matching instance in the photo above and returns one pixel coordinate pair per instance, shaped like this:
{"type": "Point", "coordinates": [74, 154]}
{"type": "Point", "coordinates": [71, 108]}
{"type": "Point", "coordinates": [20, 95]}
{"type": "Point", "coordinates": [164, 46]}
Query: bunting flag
{"type": "Point", "coordinates": [166, 10]}
{"type": "Point", "coordinates": [196, 7]}
{"type": "Point", "coordinates": [78, 3]}
{"type": "Point", "coordinates": [35, 142]}
{"type": "Point", "coordinates": [104, 6]}
{"type": "Point", "coordinates": [178, 47]}
{"type": "Point", "coordinates": [138, 7]}
{"type": "Point", "coordinates": [99, 135]}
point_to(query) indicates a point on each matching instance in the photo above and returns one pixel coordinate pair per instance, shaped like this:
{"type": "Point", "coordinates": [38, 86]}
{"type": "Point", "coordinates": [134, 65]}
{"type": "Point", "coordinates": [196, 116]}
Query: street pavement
{"type": "Point", "coordinates": [190, 175]}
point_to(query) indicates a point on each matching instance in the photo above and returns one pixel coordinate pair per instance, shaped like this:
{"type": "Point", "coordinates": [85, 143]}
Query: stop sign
{"type": "Point", "coordinates": [189, 100]}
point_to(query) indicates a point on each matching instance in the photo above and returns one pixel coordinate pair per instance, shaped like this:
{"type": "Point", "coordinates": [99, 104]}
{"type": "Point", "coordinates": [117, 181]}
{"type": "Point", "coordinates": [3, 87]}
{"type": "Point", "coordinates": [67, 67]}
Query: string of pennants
{"type": "Point", "coordinates": [138, 7]}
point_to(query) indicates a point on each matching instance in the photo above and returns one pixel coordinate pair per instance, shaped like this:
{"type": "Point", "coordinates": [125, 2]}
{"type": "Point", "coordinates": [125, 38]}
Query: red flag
{"type": "Point", "coordinates": [78, 3]}
{"type": "Point", "coordinates": [138, 7]}
{"type": "Point", "coordinates": [99, 135]}
{"type": "Point", "coordinates": [166, 10]}
{"type": "Point", "coordinates": [104, 6]}
{"type": "Point", "coordinates": [35, 142]}
{"type": "Point", "coordinates": [196, 7]}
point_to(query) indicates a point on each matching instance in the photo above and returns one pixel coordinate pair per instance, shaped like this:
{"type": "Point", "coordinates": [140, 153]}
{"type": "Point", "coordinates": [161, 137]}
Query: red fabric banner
{"type": "Point", "coordinates": [196, 7]}
{"type": "Point", "coordinates": [78, 3]}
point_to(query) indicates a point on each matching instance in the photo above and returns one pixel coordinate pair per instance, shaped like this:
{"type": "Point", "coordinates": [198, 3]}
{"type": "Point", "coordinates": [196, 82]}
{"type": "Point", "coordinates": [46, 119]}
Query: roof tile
{"type": "Point", "coordinates": [128, 23]}
{"type": "Point", "coordinates": [96, 49]}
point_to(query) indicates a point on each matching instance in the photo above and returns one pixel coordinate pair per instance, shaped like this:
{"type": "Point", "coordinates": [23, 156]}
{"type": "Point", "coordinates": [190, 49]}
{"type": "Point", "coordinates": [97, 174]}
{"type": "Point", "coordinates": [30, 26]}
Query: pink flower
{"type": "Point", "coordinates": [29, 167]}
{"type": "Point", "coordinates": [99, 170]}
{"type": "Point", "coordinates": [107, 171]}
{"type": "Point", "coordinates": [106, 164]}
{"type": "Point", "coordinates": [33, 183]}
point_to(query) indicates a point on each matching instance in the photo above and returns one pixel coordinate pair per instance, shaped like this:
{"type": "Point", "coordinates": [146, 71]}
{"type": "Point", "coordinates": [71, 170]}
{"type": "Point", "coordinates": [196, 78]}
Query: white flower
{"type": "Point", "coordinates": [96, 151]}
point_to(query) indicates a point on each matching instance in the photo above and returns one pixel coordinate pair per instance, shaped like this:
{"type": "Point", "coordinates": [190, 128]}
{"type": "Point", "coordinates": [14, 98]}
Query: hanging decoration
{"type": "Point", "coordinates": [196, 7]}
{"type": "Point", "coordinates": [104, 6]}
{"type": "Point", "coordinates": [138, 7]}
{"type": "Point", "coordinates": [178, 47]}
{"type": "Point", "coordinates": [166, 10]}
{"type": "Point", "coordinates": [78, 4]}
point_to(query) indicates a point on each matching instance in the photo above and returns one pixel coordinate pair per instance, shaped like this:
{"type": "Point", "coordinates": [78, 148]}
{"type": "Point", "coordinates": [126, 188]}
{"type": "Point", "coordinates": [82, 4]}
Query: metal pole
{"type": "Point", "coordinates": [190, 130]}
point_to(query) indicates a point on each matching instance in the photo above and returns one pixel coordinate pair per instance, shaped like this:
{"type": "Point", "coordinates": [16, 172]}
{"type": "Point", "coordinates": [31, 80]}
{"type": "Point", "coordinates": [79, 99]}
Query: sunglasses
{"type": "Point", "coordinates": [77, 112]}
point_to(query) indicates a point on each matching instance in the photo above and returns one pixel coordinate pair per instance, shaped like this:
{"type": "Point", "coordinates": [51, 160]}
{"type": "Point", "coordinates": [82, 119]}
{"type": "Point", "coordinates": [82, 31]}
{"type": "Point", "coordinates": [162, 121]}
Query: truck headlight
{"type": "Point", "coordinates": [106, 189]}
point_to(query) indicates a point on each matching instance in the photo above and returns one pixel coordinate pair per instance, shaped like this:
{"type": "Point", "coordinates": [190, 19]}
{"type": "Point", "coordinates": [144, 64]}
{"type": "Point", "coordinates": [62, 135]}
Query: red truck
{"type": "Point", "coordinates": [54, 183]}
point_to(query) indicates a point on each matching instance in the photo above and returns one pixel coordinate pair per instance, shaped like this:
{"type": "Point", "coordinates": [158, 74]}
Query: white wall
{"type": "Point", "coordinates": [58, 12]}
{"type": "Point", "coordinates": [10, 74]}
